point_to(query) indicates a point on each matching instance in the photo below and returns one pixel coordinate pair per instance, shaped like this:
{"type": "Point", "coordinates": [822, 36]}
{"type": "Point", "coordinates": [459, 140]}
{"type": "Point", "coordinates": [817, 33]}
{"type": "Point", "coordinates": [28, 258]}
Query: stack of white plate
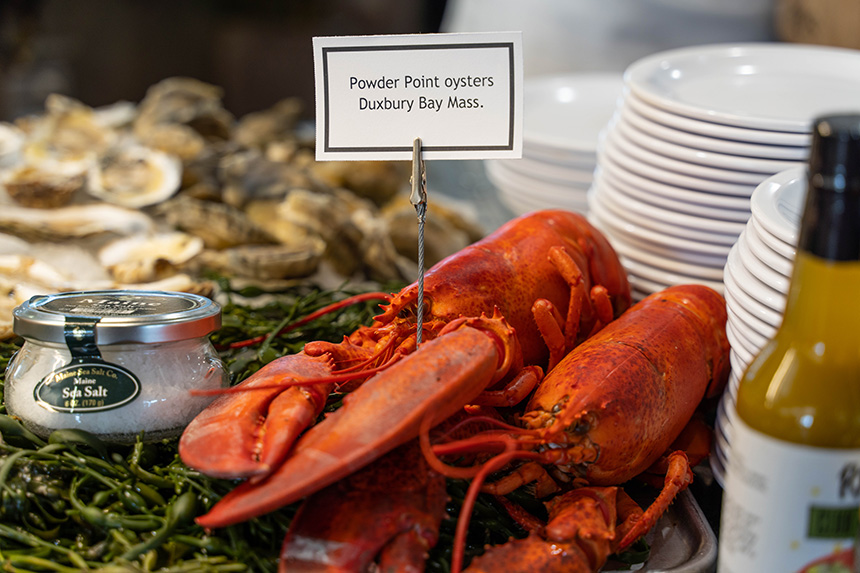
{"type": "Point", "coordinates": [757, 276]}
{"type": "Point", "coordinates": [563, 116]}
{"type": "Point", "coordinates": [696, 130]}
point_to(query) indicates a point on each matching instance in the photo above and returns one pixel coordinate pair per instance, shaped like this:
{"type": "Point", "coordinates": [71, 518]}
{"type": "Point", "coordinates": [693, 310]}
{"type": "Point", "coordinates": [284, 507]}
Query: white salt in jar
{"type": "Point", "coordinates": [115, 363]}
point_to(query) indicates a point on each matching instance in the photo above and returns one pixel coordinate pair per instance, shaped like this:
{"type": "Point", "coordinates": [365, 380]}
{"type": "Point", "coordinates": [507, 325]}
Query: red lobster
{"type": "Point", "coordinates": [610, 411]}
{"type": "Point", "coordinates": [500, 310]}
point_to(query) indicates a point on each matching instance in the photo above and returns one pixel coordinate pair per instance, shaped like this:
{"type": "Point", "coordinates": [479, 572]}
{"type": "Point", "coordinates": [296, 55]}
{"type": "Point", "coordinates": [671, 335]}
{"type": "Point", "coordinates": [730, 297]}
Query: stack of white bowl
{"type": "Point", "coordinates": [757, 277]}
{"type": "Point", "coordinates": [696, 130]}
{"type": "Point", "coordinates": [563, 116]}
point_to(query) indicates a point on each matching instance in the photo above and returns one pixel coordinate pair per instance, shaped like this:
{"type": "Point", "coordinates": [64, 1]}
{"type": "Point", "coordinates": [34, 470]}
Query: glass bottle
{"type": "Point", "coordinates": [792, 487]}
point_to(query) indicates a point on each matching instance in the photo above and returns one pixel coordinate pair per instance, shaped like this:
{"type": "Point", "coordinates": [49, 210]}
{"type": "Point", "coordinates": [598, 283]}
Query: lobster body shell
{"type": "Point", "coordinates": [510, 270]}
{"type": "Point", "coordinates": [621, 398]}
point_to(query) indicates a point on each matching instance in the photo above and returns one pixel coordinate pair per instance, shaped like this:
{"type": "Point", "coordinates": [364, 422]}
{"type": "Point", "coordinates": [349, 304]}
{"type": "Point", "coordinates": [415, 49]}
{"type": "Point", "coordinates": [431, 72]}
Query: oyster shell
{"type": "Point", "coordinates": [135, 176]}
{"type": "Point", "coordinates": [68, 138]}
{"type": "Point", "coordinates": [31, 186]}
{"type": "Point", "coordinates": [11, 141]}
{"type": "Point", "coordinates": [71, 222]}
{"type": "Point", "coordinates": [144, 258]}
{"type": "Point", "coordinates": [188, 102]}
{"type": "Point", "coordinates": [265, 262]}
{"type": "Point", "coordinates": [218, 224]}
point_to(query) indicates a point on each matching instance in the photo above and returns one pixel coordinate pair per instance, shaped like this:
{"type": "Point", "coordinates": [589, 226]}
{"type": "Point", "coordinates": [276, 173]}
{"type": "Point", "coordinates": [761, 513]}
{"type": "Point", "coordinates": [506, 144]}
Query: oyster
{"type": "Point", "coordinates": [249, 175]}
{"type": "Point", "coordinates": [149, 257]}
{"type": "Point", "coordinates": [258, 129]}
{"type": "Point", "coordinates": [265, 262]}
{"type": "Point", "coordinates": [73, 221]}
{"type": "Point", "coordinates": [188, 102]}
{"type": "Point", "coordinates": [218, 224]}
{"type": "Point", "coordinates": [135, 176]}
{"type": "Point", "coordinates": [68, 138]}
{"type": "Point", "coordinates": [32, 186]}
{"type": "Point", "coordinates": [445, 230]}
{"type": "Point", "coordinates": [11, 141]}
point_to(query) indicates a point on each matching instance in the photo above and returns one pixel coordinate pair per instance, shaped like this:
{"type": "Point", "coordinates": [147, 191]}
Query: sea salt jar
{"type": "Point", "coordinates": [115, 363]}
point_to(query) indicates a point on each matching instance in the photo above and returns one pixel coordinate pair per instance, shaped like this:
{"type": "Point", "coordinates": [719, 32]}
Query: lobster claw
{"type": "Point", "coordinates": [383, 413]}
{"type": "Point", "coordinates": [388, 512]}
{"type": "Point", "coordinates": [250, 431]}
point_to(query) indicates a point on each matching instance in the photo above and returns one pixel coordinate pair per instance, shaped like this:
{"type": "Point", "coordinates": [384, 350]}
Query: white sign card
{"type": "Point", "coordinates": [461, 94]}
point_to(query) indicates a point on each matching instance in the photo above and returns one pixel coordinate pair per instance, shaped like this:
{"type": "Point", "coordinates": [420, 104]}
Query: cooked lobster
{"type": "Point", "coordinates": [612, 408]}
{"type": "Point", "coordinates": [549, 277]}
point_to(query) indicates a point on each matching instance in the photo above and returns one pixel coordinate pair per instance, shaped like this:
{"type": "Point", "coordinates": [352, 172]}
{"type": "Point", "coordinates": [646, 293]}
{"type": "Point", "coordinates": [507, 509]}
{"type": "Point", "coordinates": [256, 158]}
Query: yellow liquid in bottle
{"type": "Point", "coordinates": [804, 387]}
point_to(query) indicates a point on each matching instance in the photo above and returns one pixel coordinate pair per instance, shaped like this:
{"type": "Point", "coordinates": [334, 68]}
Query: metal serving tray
{"type": "Point", "coordinates": [681, 542]}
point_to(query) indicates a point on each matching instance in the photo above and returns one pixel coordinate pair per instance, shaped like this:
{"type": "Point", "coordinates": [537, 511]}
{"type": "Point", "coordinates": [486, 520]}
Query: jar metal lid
{"type": "Point", "coordinates": [123, 316]}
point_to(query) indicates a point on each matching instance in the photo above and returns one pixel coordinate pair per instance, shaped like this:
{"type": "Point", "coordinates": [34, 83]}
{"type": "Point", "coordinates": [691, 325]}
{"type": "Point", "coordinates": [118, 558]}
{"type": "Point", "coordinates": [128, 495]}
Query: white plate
{"type": "Point", "coordinates": [761, 271]}
{"type": "Point", "coordinates": [617, 230]}
{"type": "Point", "coordinates": [666, 278]}
{"type": "Point", "coordinates": [775, 86]}
{"type": "Point", "coordinates": [614, 176]}
{"type": "Point", "coordinates": [741, 169]}
{"type": "Point", "coordinates": [775, 244]}
{"type": "Point", "coordinates": [628, 210]}
{"type": "Point", "coordinates": [673, 198]}
{"type": "Point", "coordinates": [745, 323]}
{"type": "Point", "coordinates": [551, 171]}
{"type": "Point", "coordinates": [752, 285]}
{"type": "Point", "coordinates": [778, 203]}
{"type": "Point", "coordinates": [544, 172]}
{"type": "Point", "coordinates": [755, 307]}
{"type": "Point", "coordinates": [765, 254]}
{"type": "Point", "coordinates": [670, 171]}
{"type": "Point", "coordinates": [685, 249]}
{"type": "Point", "coordinates": [567, 112]}
{"type": "Point", "coordinates": [718, 130]}
{"type": "Point", "coordinates": [672, 217]}
{"type": "Point", "coordinates": [739, 341]}
{"type": "Point", "coordinates": [713, 144]}
{"type": "Point", "coordinates": [502, 177]}
{"type": "Point", "coordinates": [631, 251]}
{"type": "Point", "coordinates": [645, 286]}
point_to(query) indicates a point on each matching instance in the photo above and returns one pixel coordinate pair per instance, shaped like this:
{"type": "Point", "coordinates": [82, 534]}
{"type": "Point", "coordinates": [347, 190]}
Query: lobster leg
{"type": "Point", "coordinates": [578, 537]}
{"type": "Point", "coordinates": [265, 421]}
{"type": "Point", "coordinates": [679, 476]}
{"type": "Point", "coordinates": [386, 411]}
{"type": "Point", "coordinates": [387, 513]}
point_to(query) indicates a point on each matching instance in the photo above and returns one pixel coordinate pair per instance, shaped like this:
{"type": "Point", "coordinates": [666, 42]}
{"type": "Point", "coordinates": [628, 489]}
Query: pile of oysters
{"type": "Point", "coordinates": [159, 194]}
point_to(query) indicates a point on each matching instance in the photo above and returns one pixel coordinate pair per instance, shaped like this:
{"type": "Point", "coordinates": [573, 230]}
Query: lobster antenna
{"type": "Point", "coordinates": [419, 199]}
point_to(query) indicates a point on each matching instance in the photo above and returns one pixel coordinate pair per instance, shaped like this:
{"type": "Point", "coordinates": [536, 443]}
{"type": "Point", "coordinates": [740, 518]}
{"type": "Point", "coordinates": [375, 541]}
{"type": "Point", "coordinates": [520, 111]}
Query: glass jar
{"type": "Point", "coordinates": [114, 363]}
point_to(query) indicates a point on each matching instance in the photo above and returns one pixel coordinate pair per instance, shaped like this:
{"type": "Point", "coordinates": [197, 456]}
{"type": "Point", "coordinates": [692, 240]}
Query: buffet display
{"type": "Point", "coordinates": [540, 412]}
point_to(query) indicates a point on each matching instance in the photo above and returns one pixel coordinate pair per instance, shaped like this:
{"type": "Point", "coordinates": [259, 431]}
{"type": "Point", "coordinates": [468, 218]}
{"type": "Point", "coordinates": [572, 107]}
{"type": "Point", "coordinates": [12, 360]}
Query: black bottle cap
{"type": "Point", "coordinates": [830, 227]}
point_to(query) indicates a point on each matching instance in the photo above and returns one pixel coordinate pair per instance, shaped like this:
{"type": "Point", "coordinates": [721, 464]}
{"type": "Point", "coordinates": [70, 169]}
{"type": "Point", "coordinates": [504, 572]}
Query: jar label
{"type": "Point", "coordinates": [787, 507]}
{"type": "Point", "coordinates": [81, 387]}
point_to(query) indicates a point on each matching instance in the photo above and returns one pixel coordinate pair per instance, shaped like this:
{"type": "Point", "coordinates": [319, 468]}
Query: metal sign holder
{"type": "Point", "coordinates": [418, 198]}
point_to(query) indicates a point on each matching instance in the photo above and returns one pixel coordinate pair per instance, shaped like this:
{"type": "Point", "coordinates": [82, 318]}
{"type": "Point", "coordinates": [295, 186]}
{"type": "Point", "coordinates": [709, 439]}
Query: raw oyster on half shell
{"type": "Point", "coordinates": [149, 257]}
{"type": "Point", "coordinates": [135, 176]}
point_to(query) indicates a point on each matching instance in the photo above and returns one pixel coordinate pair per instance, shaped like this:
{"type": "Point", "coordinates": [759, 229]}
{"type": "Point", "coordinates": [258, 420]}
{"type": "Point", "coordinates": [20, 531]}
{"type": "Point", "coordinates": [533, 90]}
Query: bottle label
{"type": "Point", "coordinates": [787, 507]}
